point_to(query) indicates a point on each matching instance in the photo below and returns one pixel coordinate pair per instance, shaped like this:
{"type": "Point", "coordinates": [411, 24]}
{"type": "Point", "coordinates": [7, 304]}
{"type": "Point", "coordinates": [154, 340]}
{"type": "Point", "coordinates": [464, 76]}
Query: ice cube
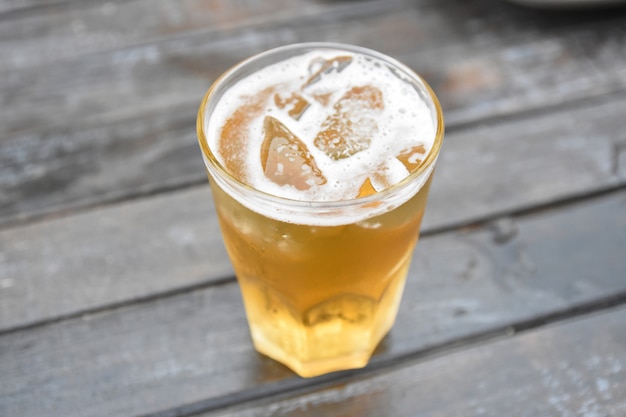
{"type": "Point", "coordinates": [411, 158]}
{"type": "Point", "coordinates": [319, 67]}
{"type": "Point", "coordinates": [352, 125]}
{"type": "Point", "coordinates": [295, 104]}
{"type": "Point", "coordinates": [286, 159]}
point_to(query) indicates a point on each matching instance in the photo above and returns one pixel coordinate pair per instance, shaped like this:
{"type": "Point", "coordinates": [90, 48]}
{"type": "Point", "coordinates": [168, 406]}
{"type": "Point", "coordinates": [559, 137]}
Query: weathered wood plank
{"type": "Point", "coordinates": [48, 34]}
{"type": "Point", "coordinates": [120, 23]}
{"type": "Point", "coordinates": [21, 5]}
{"type": "Point", "coordinates": [67, 170]}
{"type": "Point", "coordinates": [194, 347]}
{"type": "Point", "coordinates": [577, 368]}
{"type": "Point", "coordinates": [42, 35]}
{"type": "Point", "coordinates": [66, 127]}
{"type": "Point", "coordinates": [130, 251]}
{"type": "Point", "coordinates": [469, 66]}
{"type": "Point", "coordinates": [135, 249]}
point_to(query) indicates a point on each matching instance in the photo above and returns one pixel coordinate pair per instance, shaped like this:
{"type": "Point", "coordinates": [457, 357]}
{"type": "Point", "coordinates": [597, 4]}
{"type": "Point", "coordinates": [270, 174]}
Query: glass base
{"type": "Point", "coordinates": [312, 368]}
{"type": "Point", "coordinates": [338, 334]}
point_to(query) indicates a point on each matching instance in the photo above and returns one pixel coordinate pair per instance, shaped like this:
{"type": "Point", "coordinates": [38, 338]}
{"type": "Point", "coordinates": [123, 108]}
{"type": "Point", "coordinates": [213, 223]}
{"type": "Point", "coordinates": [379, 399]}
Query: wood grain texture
{"type": "Point", "coordinates": [131, 309]}
{"type": "Point", "coordinates": [47, 31]}
{"type": "Point", "coordinates": [577, 368]}
{"type": "Point", "coordinates": [44, 35]}
{"type": "Point", "coordinates": [138, 249]}
{"type": "Point", "coordinates": [194, 347]}
{"type": "Point", "coordinates": [90, 128]}
{"type": "Point", "coordinates": [127, 252]}
{"type": "Point", "coordinates": [514, 65]}
{"type": "Point", "coordinates": [8, 7]}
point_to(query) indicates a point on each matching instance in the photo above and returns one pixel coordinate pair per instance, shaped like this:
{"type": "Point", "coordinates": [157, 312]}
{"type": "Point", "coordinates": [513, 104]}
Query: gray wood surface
{"type": "Point", "coordinates": [42, 35]}
{"type": "Point", "coordinates": [576, 368]}
{"type": "Point", "coordinates": [166, 243]}
{"type": "Point", "coordinates": [115, 255]}
{"type": "Point", "coordinates": [13, 7]}
{"type": "Point", "coordinates": [193, 349]}
{"type": "Point", "coordinates": [116, 294]}
{"type": "Point", "coordinates": [113, 117]}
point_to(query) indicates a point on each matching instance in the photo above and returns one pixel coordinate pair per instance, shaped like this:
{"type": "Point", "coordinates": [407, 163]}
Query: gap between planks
{"type": "Point", "coordinates": [607, 87]}
{"type": "Point", "coordinates": [276, 392]}
{"type": "Point", "coordinates": [173, 292]}
{"type": "Point", "coordinates": [484, 223]}
{"type": "Point", "coordinates": [112, 198]}
{"type": "Point", "coordinates": [530, 301]}
{"type": "Point", "coordinates": [309, 394]}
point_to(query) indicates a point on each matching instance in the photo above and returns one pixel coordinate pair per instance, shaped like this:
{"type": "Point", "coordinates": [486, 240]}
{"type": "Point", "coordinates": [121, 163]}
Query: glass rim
{"type": "Point", "coordinates": [425, 167]}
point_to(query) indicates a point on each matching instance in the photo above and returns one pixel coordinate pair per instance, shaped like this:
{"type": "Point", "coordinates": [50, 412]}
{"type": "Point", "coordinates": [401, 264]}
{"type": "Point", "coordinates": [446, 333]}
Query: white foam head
{"type": "Point", "coordinates": [407, 120]}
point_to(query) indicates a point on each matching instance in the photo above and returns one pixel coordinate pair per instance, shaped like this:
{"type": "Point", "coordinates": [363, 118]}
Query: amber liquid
{"type": "Point", "coordinates": [320, 299]}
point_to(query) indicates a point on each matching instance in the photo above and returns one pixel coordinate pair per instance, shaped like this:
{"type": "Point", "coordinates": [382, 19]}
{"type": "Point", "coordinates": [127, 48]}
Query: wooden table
{"type": "Point", "coordinates": [117, 297]}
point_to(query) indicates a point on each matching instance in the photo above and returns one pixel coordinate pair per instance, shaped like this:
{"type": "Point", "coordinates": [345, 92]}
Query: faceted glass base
{"type": "Point", "coordinates": [337, 334]}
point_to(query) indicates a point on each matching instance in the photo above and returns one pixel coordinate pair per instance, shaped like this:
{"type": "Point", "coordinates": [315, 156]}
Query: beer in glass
{"type": "Point", "coordinates": [320, 158]}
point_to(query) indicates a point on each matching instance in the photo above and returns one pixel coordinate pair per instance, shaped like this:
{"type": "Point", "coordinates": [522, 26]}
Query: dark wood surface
{"type": "Point", "coordinates": [116, 295]}
{"type": "Point", "coordinates": [525, 375]}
